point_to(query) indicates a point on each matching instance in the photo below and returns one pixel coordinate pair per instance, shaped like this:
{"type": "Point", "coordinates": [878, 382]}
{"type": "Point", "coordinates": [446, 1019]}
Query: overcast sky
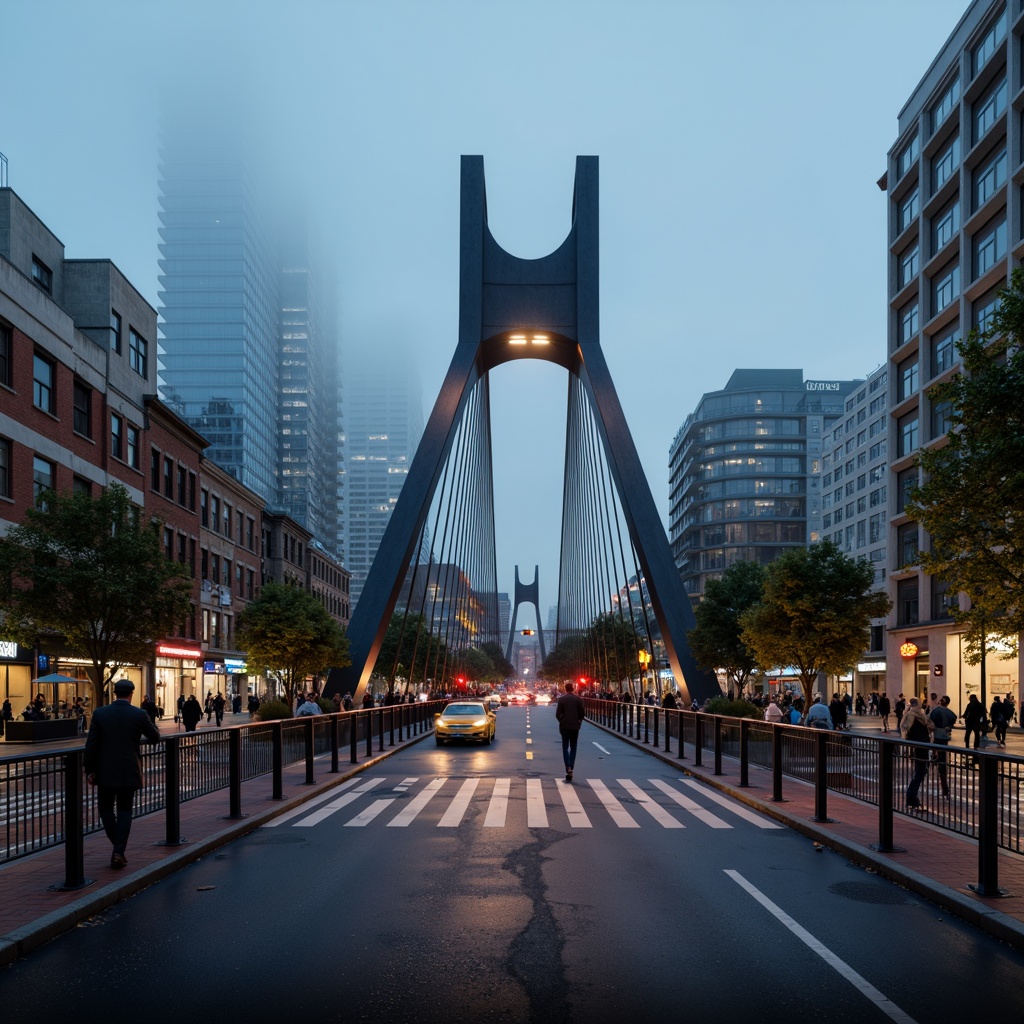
{"type": "Point", "coordinates": [739, 145]}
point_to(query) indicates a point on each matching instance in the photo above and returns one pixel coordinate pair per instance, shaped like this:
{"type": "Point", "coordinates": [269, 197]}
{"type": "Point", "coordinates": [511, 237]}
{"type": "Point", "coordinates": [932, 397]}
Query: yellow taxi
{"type": "Point", "coordinates": [465, 720]}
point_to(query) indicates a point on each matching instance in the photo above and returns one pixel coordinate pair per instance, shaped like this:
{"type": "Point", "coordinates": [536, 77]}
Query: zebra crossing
{"type": "Point", "coordinates": [454, 803]}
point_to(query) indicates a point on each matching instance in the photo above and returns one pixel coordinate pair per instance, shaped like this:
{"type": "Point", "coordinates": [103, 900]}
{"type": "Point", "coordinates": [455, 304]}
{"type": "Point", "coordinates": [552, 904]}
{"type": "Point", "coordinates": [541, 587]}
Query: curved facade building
{"type": "Point", "coordinates": [745, 471]}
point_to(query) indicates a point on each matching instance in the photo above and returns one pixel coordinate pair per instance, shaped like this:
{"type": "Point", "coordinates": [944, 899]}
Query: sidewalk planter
{"type": "Point", "coordinates": [39, 732]}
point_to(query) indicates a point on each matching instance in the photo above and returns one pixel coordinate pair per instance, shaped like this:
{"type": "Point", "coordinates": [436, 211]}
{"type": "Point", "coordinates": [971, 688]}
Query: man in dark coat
{"type": "Point", "coordinates": [191, 713]}
{"type": "Point", "coordinates": [113, 765]}
{"type": "Point", "coordinates": [570, 712]}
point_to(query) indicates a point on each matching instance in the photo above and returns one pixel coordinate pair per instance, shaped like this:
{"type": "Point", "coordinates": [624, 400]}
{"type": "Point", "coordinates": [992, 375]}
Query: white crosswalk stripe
{"type": "Point", "coordinates": [462, 806]}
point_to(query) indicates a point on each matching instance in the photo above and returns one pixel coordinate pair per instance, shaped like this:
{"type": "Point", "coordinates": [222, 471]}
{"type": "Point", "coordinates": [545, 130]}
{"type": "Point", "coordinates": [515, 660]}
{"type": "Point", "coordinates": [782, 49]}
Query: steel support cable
{"type": "Point", "coordinates": [405, 614]}
{"type": "Point", "coordinates": [571, 552]}
{"type": "Point", "coordinates": [641, 586]}
{"type": "Point", "coordinates": [595, 576]}
{"type": "Point", "coordinates": [586, 569]}
{"type": "Point", "coordinates": [606, 544]}
{"type": "Point", "coordinates": [563, 607]}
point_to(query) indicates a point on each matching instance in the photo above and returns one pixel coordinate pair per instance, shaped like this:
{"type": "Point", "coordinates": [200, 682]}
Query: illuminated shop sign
{"type": "Point", "coordinates": [174, 651]}
{"type": "Point", "coordinates": [908, 650]}
{"type": "Point", "coordinates": [234, 666]}
{"type": "Point", "coordinates": [821, 385]}
{"type": "Point", "coordinates": [8, 649]}
{"type": "Point", "coordinates": [871, 666]}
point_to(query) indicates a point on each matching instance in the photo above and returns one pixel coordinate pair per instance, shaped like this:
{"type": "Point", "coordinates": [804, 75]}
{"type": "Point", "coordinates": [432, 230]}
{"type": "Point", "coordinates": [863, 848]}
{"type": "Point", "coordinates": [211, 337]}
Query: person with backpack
{"type": "Point", "coordinates": [1000, 720]}
{"type": "Point", "coordinates": [917, 726]}
{"type": "Point", "coordinates": [943, 721]}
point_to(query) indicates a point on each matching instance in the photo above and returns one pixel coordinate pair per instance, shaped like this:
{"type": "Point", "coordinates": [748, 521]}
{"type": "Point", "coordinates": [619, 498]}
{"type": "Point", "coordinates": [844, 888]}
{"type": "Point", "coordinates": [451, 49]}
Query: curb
{"type": "Point", "coordinates": [967, 908]}
{"type": "Point", "coordinates": [22, 941]}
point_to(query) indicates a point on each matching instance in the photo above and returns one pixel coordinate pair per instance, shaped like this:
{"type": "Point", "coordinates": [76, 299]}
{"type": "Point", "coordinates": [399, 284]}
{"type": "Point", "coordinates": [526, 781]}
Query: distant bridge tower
{"type": "Point", "coordinates": [526, 593]}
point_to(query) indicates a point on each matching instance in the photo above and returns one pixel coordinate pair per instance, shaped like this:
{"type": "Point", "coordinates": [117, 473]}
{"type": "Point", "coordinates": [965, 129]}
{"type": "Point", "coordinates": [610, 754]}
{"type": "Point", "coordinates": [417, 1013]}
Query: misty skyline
{"type": "Point", "coordinates": [739, 147]}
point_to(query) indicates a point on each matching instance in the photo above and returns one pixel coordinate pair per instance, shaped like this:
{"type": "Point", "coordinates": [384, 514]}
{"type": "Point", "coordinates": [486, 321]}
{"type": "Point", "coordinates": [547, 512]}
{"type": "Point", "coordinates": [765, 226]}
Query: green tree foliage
{"type": "Point", "coordinates": [972, 490]}
{"type": "Point", "coordinates": [94, 571]}
{"type": "Point", "coordinates": [503, 668]}
{"type": "Point", "coordinates": [606, 650]}
{"type": "Point", "coordinates": [716, 641]}
{"type": "Point", "coordinates": [409, 652]}
{"type": "Point", "coordinates": [473, 665]}
{"type": "Point", "coordinates": [286, 631]}
{"type": "Point", "coordinates": [814, 614]}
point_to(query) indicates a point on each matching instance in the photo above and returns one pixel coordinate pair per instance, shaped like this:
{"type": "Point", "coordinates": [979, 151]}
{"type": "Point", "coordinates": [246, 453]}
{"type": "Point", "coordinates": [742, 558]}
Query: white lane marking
{"type": "Point", "coordinates": [886, 1005]}
{"type": "Point", "coordinates": [366, 816]}
{"type": "Point", "coordinates": [599, 747]}
{"type": "Point", "coordinates": [529, 740]}
{"type": "Point", "coordinates": [405, 784]}
{"type": "Point", "coordinates": [305, 808]}
{"type": "Point", "coordinates": [690, 805]}
{"type": "Point", "coordinates": [536, 812]}
{"type": "Point", "coordinates": [752, 816]}
{"type": "Point", "coordinates": [656, 811]}
{"type": "Point", "coordinates": [618, 813]}
{"type": "Point", "coordinates": [498, 807]}
{"type": "Point", "coordinates": [336, 805]}
{"type": "Point", "coordinates": [452, 818]}
{"type": "Point", "coordinates": [416, 804]}
{"type": "Point", "coordinates": [573, 806]}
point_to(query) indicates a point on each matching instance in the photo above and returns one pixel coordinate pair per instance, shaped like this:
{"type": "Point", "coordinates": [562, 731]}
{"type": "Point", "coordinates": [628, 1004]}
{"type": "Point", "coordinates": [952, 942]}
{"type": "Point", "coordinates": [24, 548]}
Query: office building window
{"type": "Point", "coordinates": [6, 346]}
{"type": "Point", "coordinates": [908, 378]}
{"type": "Point", "coordinates": [154, 469]}
{"type": "Point", "coordinates": [943, 602]}
{"type": "Point", "coordinates": [204, 506]}
{"type": "Point", "coordinates": [906, 544]}
{"type": "Point", "coordinates": [875, 528]}
{"type": "Point", "coordinates": [5, 468]}
{"type": "Point", "coordinates": [992, 38]}
{"type": "Point", "coordinates": [909, 209]}
{"type": "Point", "coordinates": [79, 485]}
{"type": "Point", "coordinates": [182, 478]}
{"type": "Point", "coordinates": [907, 431]}
{"type": "Point", "coordinates": [906, 602]}
{"type": "Point", "coordinates": [945, 287]}
{"type": "Point", "coordinates": [989, 178]}
{"type": "Point", "coordinates": [116, 436]}
{"type": "Point", "coordinates": [43, 476]}
{"type": "Point", "coordinates": [908, 156]}
{"type": "Point", "coordinates": [944, 166]}
{"type": "Point", "coordinates": [132, 446]}
{"type": "Point", "coordinates": [941, 414]}
{"type": "Point", "coordinates": [168, 544]}
{"type": "Point", "coordinates": [990, 108]}
{"type": "Point", "coordinates": [191, 491]}
{"type": "Point", "coordinates": [908, 322]}
{"type": "Point", "coordinates": [910, 264]}
{"type": "Point", "coordinates": [215, 514]}
{"type": "Point", "coordinates": [42, 275]}
{"type": "Point", "coordinates": [83, 409]}
{"type": "Point", "coordinates": [944, 350]}
{"type": "Point", "coordinates": [43, 376]}
{"type": "Point", "coordinates": [168, 477]}
{"type": "Point", "coordinates": [947, 101]}
{"type": "Point", "coordinates": [137, 352]}
{"type": "Point", "coordinates": [985, 308]}
{"type": "Point", "coordinates": [989, 246]}
{"type": "Point", "coordinates": [906, 481]}
{"type": "Point", "coordinates": [945, 224]}
{"type": "Point", "coordinates": [115, 331]}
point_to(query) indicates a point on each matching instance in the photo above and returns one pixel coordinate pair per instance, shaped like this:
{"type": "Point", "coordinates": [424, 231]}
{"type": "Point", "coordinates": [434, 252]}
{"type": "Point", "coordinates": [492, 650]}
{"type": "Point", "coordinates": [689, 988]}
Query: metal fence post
{"type": "Point", "coordinates": [669, 717]}
{"type": "Point", "coordinates": [380, 731]}
{"type": "Point", "coordinates": [74, 823]}
{"type": "Point", "coordinates": [335, 733]}
{"type": "Point", "coordinates": [391, 721]}
{"type": "Point", "coordinates": [821, 775]}
{"type": "Point", "coordinates": [368, 718]}
{"type": "Point", "coordinates": [988, 830]}
{"type": "Point", "coordinates": [718, 745]}
{"type": "Point", "coordinates": [172, 791]}
{"type": "Point", "coordinates": [681, 719]}
{"type": "Point", "coordinates": [235, 774]}
{"type": "Point", "coordinates": [886, 779]}
{"type": "Point", "coordinates": [778, 733]}
{"type": "Point", "coordinates": [698, 740]}
{"type": "Point", "coordinates": [744, 752]}
{"type": "Point", "coordinates": [353, 735]}
{"type": "Point", "coordinates": [277, 735]}
{"type": "Point", "coordinates": [310, 741]}
{"type": "Point", "coordinates": [655, 741]}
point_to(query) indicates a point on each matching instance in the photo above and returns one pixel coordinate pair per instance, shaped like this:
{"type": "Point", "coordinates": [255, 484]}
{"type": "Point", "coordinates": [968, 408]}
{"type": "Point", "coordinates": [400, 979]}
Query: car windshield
{"type": "Point", "coordinates": [454, 710]}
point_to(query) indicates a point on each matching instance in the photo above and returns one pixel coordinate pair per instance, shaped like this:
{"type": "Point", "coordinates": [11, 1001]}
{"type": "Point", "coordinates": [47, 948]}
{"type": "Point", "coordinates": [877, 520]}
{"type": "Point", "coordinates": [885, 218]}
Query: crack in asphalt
{"type": "Point", "coordinates": [535, 954]}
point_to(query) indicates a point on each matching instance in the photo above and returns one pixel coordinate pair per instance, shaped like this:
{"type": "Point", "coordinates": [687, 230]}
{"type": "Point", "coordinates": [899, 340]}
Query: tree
{"type": "Point", "coordinates": [288, 632]}
{"type": "Point", "coordinates": [814, 613]}
{"type": "Point", "coordinates": [972, 489]}
{"type": "Point", "coordinates": [615, 643]}
{"type": "Point", "coordinates": [94, 571]}
{"type": "Point", "coordinates": [409, 650]}
{"type": "Point", "coordinates": [503, 668]}
{"type": "Point", "coordinates": [716, 641]}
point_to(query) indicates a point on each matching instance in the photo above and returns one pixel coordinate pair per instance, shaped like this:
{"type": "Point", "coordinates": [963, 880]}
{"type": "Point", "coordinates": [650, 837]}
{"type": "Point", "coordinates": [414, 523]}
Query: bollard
{"type": "Point", "coordinates": [235, 774]}
{"type": "Point", "coordinates": [886, 778]}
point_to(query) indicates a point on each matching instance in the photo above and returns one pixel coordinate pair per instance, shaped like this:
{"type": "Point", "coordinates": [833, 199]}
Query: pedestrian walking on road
{"type": "Point", "coordinates": [218, 709]}
{"type": "Point", "coordinates": [113, 765]}
{"type": "Point", "coordinates": [900, 708]}
{"type": "Point", "coordinates": [571, 713]}
{"type": "Point", "coordinates": [191, 713]}
{"type": "Point", "coordinates": [884, 711]}
{"type": "Point", "coordinates": [916, 725]}
{"type": "Point", "coordinates": [974, 721]}
{"type": "Point", "coordinates": [1000, 720]}
{"type": "Point", "coordinates": [943, 721]}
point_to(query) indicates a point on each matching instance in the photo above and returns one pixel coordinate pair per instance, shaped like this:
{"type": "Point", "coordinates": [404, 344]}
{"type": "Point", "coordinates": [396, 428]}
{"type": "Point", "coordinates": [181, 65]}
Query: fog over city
{"type": "Point", "coordinates": [740, 144]}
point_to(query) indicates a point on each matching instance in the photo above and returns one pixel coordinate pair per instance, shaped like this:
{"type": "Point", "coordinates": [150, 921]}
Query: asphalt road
{"type": "Point", "coordinates": [632, 892]}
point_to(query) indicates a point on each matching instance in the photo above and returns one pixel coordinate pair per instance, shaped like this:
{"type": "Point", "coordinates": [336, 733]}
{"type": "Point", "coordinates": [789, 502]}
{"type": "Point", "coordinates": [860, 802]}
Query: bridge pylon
{"type": "Point", "coordinates": [526, 593]}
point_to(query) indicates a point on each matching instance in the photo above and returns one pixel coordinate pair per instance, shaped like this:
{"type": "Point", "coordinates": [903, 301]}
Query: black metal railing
{"type": "Point", "coordinates": [975, 793]}
{"type": "Point", "coordinates": [43, 801]}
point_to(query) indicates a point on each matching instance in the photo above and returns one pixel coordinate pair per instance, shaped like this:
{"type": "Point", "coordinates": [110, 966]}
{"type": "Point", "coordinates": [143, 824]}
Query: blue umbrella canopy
{"type": "Point", "coordinates": [55, 677]}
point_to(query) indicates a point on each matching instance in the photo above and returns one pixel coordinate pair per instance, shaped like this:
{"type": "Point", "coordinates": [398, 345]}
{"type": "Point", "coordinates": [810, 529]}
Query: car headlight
{"type": "Point", "coordinates": [479, 722]}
